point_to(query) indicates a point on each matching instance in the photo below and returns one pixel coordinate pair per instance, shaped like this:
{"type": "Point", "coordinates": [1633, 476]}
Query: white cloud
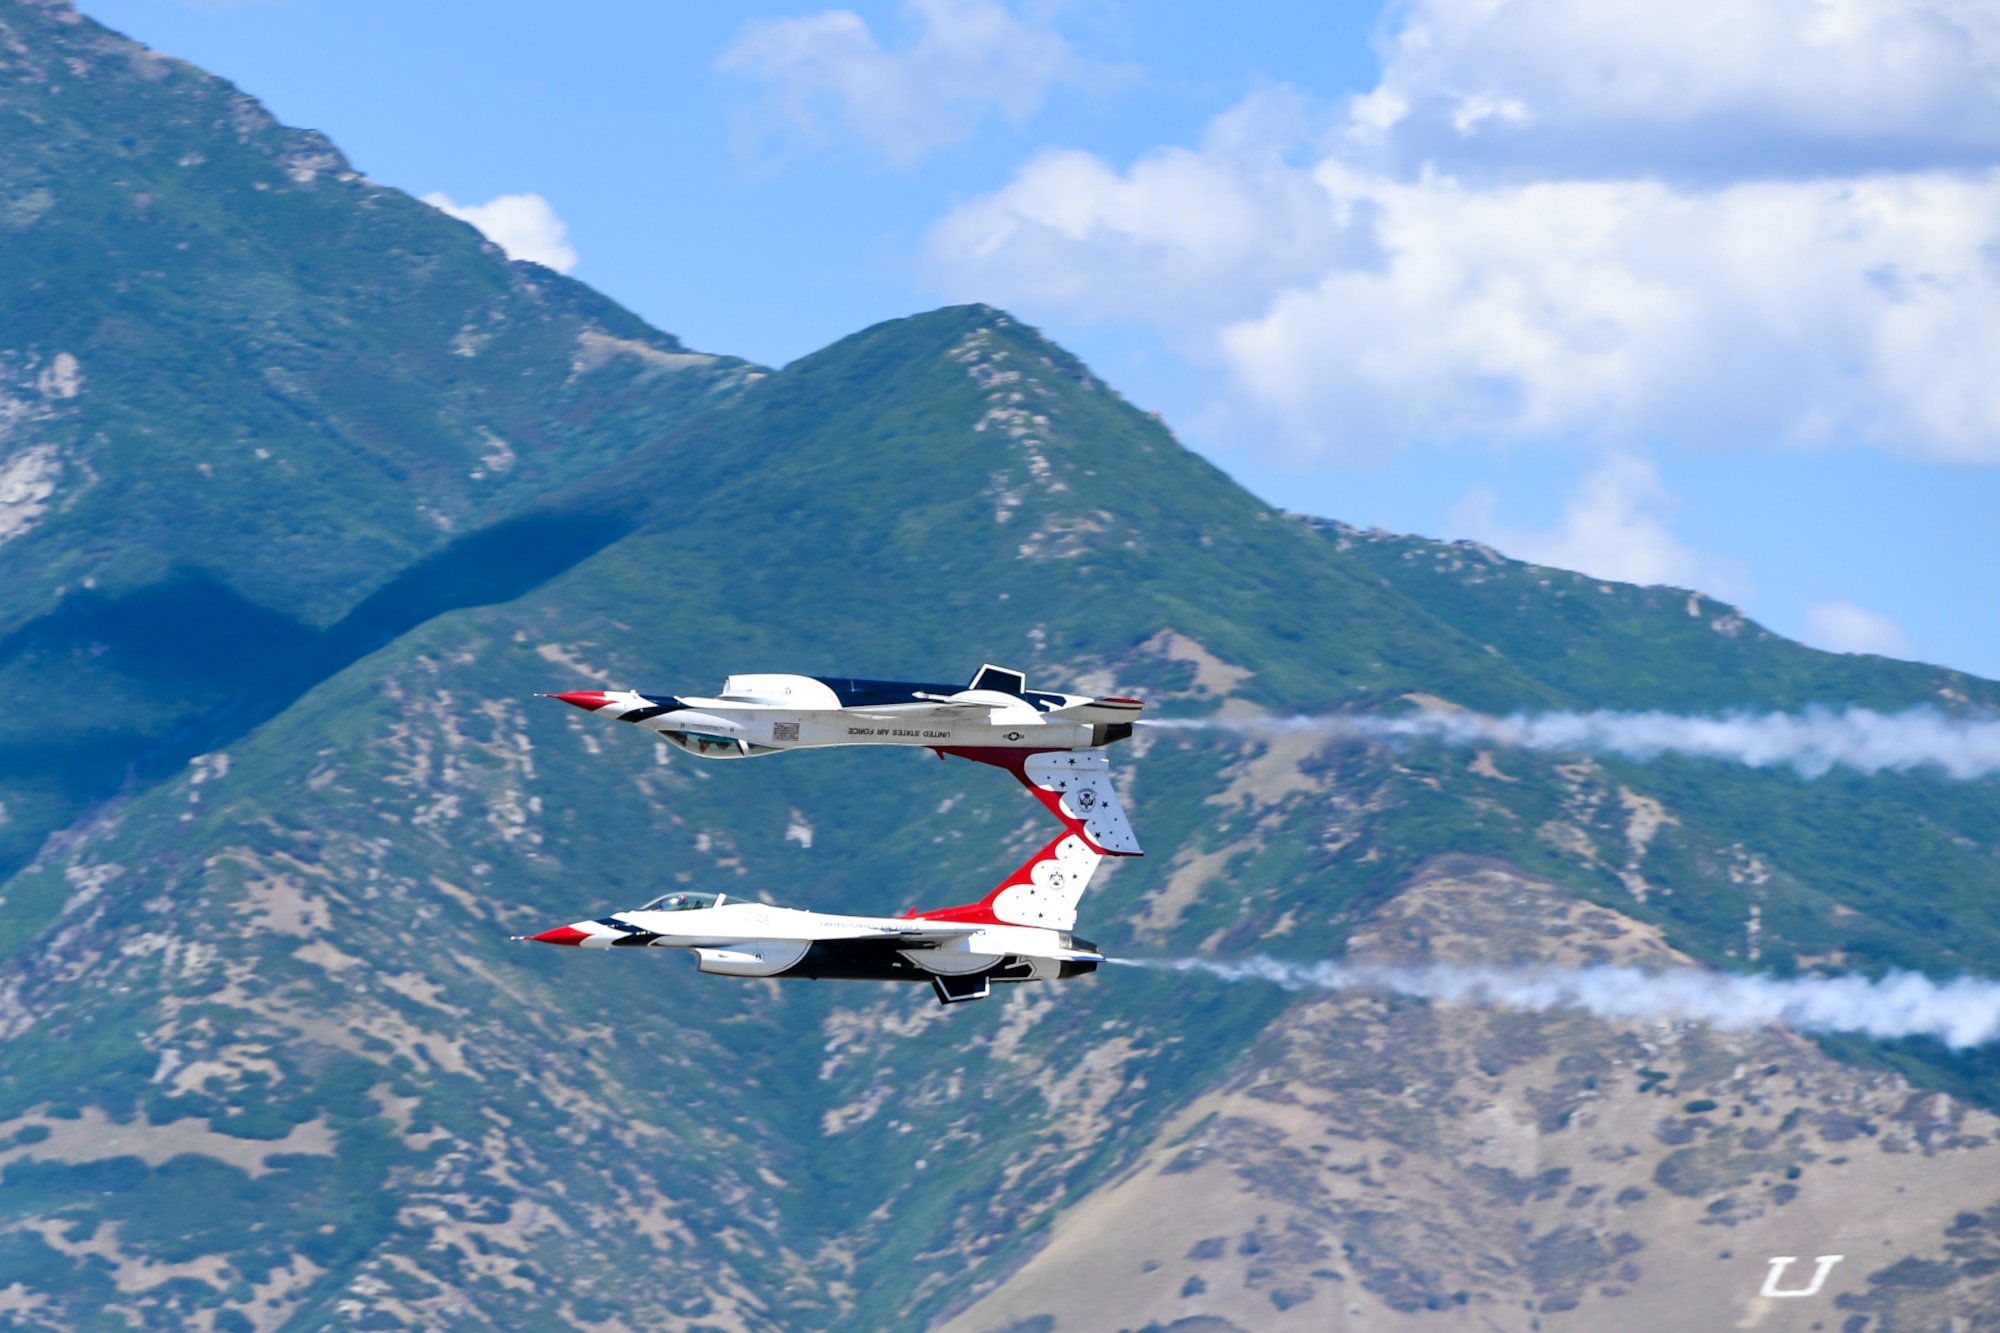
{"type": "Point", "coordinates": [521, 224]}
{"type": "Point", "coordinates": [1915, 80]}
{"type": "Point", "coordinates": [1610, 529]}
{"type": "Point", "coordinates": [1748, 223]}
{"type": "Point", "coordinates": [1186, 237]}
{"type": "Point", "coordinates": [969, 58]}
{"type": "Point", "coordinates": [1843, 627]}
{"type": "Point", "coordinates": [1767, 311]}
{"type": "Point", "coordinates": [1388, 310]}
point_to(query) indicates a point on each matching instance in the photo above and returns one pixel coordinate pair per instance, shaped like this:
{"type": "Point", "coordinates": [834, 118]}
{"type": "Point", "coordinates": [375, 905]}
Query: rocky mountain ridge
{"type": "Point", "coordinates": [271, 1061]}
{"type": "Point", "coordinates": [1375, 1163]}
{"type": "Point", "coordinates": [243, 388]}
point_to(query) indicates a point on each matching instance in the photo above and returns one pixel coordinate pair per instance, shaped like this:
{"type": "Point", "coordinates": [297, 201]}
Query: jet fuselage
{"type": "Point", "coordinates": [752, 939]}
{"type": "Point", "coordinates": [1019, 931]}
{"type": "Point", "coordinates": [766, 714]}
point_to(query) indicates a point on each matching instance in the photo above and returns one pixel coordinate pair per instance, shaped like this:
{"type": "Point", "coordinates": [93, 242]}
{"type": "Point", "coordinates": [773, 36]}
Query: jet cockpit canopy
{"type": "Point", "coordinates": [684, 902]}
{"type": "Point", "coordinates": [715, 747]}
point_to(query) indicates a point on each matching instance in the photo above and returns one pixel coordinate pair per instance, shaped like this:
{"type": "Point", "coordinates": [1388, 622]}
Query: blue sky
{"type": "Point", "coordinates": [1704, 294]}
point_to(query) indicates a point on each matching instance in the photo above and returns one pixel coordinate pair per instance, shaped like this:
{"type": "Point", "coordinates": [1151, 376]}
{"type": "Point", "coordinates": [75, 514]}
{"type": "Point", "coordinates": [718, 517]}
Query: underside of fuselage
{"type": "Point", "coordinates": [769, 714]}
{"type": "Point", "coordinates": [869, 960]}
{"type": "Point", "coordinates": [884, 960]}
{"type": "Point", "coordinates": [956, 975]}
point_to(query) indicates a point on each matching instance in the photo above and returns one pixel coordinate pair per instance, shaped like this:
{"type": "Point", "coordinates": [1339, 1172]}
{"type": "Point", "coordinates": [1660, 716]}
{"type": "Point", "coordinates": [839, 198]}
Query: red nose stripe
{"type": "Point", "coordinates": [560, 935]}
{"type": "Point", "coordinates": [588, 700]}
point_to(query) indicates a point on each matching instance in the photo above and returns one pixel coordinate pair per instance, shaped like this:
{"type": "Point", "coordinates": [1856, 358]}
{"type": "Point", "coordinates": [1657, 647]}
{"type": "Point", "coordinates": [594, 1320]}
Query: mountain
{"type": "Point", "coordinates": [272, 1062]}
{"type": "Point", "coordinates": [1489, 1169]}
{"type": "Point", "coordinates": [241, 388]}
{"type": "Point", "coordinates": [290, 959]}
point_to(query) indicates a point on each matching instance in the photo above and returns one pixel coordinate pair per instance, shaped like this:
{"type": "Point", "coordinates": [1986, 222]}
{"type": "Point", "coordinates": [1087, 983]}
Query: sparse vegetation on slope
{"type": "Point", "coordinates": [270, 1060]}
{"type": "Point", "coordinates": [242, 387]}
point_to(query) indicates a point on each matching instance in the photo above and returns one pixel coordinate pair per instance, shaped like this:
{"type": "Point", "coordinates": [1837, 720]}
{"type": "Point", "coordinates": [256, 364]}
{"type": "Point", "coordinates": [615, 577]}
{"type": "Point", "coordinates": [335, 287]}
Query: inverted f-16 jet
{"type": "Point", "coordinates": [1018, 932]}
{"type": "Point", "coordinates": [758, 715]}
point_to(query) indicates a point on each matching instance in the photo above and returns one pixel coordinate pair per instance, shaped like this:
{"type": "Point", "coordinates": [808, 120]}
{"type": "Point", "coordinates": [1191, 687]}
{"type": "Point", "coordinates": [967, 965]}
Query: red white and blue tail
{"type": "Point", "coordinates": [1076, 788]}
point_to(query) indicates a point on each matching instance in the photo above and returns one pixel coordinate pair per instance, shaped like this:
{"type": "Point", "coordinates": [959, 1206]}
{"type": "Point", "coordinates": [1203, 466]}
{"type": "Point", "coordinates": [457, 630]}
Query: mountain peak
{"type": "Point", "coordinates": [978, 321]}
{"type": "Point", "coordinates": [319, 492]}
{"type": "Point", "coordinates": [238, 379]}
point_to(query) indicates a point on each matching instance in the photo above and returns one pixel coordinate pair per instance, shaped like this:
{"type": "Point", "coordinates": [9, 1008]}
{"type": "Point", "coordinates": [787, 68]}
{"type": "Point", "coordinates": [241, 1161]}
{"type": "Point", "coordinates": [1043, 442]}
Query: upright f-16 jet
{"type": "Point", "coordinates": [1018, 932]}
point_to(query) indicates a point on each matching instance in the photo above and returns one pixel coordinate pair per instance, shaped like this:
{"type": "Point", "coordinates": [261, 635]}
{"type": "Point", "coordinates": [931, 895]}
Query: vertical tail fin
{"type": "Point", "coordinates": [1075, 785]}
{"type": "Point", "coordinates": [1076, 788]}
{"type": "Point", "coordinates": [1005, 680]}
{"type": "Point", "coordinates": [1044, 892]}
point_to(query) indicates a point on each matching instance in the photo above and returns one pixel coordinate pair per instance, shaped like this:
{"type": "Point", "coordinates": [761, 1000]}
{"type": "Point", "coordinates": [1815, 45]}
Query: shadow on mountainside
{"type": "Point", "coordinates": [152, 678]}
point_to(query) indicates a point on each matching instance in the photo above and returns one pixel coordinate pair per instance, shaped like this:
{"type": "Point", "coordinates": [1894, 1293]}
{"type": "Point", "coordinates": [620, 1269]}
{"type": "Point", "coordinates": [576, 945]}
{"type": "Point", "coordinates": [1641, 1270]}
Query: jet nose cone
{"type": "Point", "coordinates": [588, 700]}
{"type": "Point", "coordinates": [560, 935]}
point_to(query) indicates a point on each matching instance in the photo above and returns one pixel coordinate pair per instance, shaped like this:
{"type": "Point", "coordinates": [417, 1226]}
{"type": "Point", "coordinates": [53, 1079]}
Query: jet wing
{"type": "Point", "coordinates": [931, 935]}
{"type": "Point", "coordinates": [930, 710]}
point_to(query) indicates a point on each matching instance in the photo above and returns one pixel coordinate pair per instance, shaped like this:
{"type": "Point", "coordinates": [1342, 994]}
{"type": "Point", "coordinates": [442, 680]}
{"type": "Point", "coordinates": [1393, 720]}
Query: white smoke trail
{"type": "Point", "coordinates": [1812, 742]}
{"type": "Point", "coordinates": [1962, 1012]}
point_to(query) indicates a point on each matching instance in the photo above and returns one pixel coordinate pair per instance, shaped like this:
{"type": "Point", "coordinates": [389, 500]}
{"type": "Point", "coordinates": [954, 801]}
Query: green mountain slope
{"type": "Point", "coordinates": [271, 1062]}
{"type": "Point", "coordinates": [242, 387]}
{"type": "Point", "coordinates": [1372, 1162]}
{"type": "Point", "coordinates": [299, 947]}
{"type": "Point", "coordinates": [1620, 646]}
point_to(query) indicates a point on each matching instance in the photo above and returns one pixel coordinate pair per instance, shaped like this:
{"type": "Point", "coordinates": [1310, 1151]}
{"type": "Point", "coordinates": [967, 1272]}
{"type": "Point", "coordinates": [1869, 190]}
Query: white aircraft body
{"type": "Point", "coordinates": [1018, 932]}
{"type": "Point", "coordinates": [766, 714]}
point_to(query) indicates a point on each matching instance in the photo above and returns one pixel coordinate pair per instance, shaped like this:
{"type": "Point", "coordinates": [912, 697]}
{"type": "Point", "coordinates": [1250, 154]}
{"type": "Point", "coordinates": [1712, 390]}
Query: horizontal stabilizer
{"type": "Point", "coordinates": [1108, 711]}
